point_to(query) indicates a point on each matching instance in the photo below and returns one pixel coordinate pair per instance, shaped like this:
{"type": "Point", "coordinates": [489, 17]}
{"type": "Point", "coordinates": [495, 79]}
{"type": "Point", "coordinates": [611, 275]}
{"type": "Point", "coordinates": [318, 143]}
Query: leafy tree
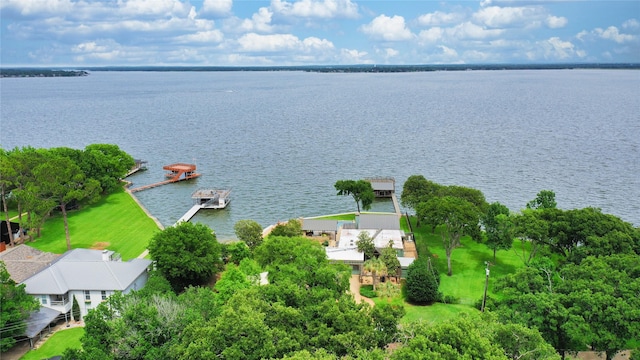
{"type": "Point", "coordinates": [234, 252]}
{"type": "Point", "coordinates": [360, 190]}
{"type": "Point", "coordinates": [417, 189]}
{"type": "Point", "coordinates": [498, 228]}
{"type": "Point", "coordinates": [386, 318]}
{"type": "Point", "coordinates": [365, 245]}
{"type": "Point", "coordinates": [250, 232]}
{"type": "Point", "coordinates": [465, 337]}
{"type": "Point", "coordinates": [389, 257]}
{"type": "Point", "coordinates": [107, 164]}
{"type": "Point", "coordinates": [186, 254]}
{"type": "Point", "coordinates": [291, 228]}
{"type": "Point", "coordinates": [7, 183]}
{"type": "Point", "coordinates": [231, 281]}
{"type": "Point", "coordinates": [61, 179]}
{"type": "Point", "coordinates": [545, 199]}
{"type": "Point", "coordinates": [376, 267]}
{"type": "Point", "coordinates": [456, 214]}
{"type": "Point", "coordinates": [523, 343]}
{"type": "Point", "coordinates": [531, 229]}
{"type": "Point", "coordinates": [75, 310]}
{"type": "Point", "coordinates": [422, 285]}
{"type": "Point", "coordinates": [16, 307]}
{"type": "Point", "coordinates": [132, 327]}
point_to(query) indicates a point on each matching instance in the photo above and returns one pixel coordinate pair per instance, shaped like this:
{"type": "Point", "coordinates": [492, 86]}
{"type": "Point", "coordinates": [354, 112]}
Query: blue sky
{"type": "Point", "coordinates": [316, 32]}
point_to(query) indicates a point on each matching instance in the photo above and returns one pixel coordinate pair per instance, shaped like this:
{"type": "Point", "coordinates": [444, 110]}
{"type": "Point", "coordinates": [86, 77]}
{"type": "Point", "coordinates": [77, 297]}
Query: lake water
{"type": "Point", "coordinates": [280, 140]}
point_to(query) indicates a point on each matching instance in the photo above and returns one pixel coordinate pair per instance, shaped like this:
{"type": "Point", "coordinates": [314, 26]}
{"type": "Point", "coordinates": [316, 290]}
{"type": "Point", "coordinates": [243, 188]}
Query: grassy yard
{"type": "Point", "coordinates": [57, 344]}
{"type": "Point", "coordinates": [116, 222]}
{"type": "Point", "coordinates": [339, 217]}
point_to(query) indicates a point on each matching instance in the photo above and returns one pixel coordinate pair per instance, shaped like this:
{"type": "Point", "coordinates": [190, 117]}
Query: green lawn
{"type": "Point", "coordinates": [339, 217]}
{"type": "Point", "coordinates": [56, 344]}
{"type": "Point", "coordinates": [115, 222]}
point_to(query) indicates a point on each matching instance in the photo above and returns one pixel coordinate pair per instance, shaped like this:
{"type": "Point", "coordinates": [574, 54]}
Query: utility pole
{"type": "Point", "coordinates": [486, 285]}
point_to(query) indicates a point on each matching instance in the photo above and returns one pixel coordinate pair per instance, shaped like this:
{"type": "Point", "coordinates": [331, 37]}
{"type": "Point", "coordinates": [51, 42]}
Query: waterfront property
{"type": "Point", "coordinates": [88, 275]}
{"type": "Point", "coordinates": [383, 228]}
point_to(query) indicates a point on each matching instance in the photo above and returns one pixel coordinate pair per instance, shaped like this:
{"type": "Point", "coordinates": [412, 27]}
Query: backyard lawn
{"type": "Point", "coordinates": [116, 223]}
{"type": "Point", "coordinates": [56, 344]}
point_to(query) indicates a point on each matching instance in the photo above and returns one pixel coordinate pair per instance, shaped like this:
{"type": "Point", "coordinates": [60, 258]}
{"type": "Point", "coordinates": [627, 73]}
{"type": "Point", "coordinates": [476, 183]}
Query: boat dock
{"type": "Point", "coordinates": [176, 172]}
{"type": "Point", "coordinates": [140, 165]}
{"type": "Point", "coordinates": [206, 199]}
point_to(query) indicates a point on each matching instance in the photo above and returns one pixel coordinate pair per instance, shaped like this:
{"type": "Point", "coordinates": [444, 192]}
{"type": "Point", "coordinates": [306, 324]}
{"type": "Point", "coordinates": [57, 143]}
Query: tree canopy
{"type": "Point", "coordinates": [250, 232]}
{"type": "Point", "coordinates": [16, 307]}
{"type": "Point", "coordinates": [360, 190]}
{"type": "Point", "coordinates": [186, 254]}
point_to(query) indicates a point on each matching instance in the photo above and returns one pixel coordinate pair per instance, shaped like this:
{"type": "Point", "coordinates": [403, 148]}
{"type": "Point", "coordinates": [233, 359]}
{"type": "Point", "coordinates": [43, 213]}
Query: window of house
{"type": "Point", "coordinates": [87, 295]}
{"type": "Point", "coordinates": [104, 295]}
{"type": "Point", "coordinates": [44, 299]}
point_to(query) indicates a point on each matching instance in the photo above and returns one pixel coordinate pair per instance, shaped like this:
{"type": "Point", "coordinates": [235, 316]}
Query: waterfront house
{"type": "Point", "coordinates": [88, 275]}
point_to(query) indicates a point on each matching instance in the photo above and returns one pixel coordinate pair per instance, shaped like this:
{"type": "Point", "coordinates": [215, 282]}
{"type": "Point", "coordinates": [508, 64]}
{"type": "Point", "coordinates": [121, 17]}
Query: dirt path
{"type": "Point", "coordinates": [355, 290]}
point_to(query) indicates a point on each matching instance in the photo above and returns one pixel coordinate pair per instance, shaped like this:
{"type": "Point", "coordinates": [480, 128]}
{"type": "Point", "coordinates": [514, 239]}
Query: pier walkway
{"type": "Point", "coordinates": [191, 213]}
{"type": "Point", "coordinates": [396, 205]}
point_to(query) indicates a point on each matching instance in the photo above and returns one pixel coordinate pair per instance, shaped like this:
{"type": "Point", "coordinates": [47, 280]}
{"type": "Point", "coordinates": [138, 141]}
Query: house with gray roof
{"type": "Point", "coordinates": [88, 275]}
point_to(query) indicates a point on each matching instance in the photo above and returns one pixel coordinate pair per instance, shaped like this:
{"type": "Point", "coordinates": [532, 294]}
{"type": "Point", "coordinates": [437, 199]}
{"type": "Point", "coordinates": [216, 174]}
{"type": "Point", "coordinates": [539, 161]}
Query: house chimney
{"type": "Point", "coordinates": [105, 255]}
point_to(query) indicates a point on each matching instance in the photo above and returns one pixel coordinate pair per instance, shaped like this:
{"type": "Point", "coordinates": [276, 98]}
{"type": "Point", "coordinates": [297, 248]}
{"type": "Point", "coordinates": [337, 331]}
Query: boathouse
{"type": "Point", "coordinates": [383, 187]}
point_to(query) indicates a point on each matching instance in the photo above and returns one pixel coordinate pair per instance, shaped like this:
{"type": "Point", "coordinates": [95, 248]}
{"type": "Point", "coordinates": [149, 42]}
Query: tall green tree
{"type": "Point", "coordinates": [16, 307]}
{"type": "Point", "coordinates": [360, 190]}
{"type": "Point", "coordinates": [545, 199]}
{"type": "Point", "coordinates": [458, 217]}
{"type": "Point", "coordinates": [186, 254]}
{"type": "Point", "coordinates": [365, 245]}
{"type": "Point", "coordinates": [417, 189]}
{"type": "Point", "coordinates": [498, 227]}
{"type": "Point", "coordinates": [389, 257]}
{"type": "Point", "coordinates": [291, 228]}
{"type": "Point", "coordinates": [107, 164]}
{"type": "Point", "coordinates": [61, 179]}
{"type": "Point", "coordinates": [8, 180]}
{"type": "Point", "coordinates": [250, 232]}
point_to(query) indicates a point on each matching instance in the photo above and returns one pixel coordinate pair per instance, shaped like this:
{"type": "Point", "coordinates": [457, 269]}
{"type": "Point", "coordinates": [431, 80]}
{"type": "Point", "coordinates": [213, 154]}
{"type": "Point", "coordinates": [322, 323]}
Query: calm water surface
{"type": "Point", "coordinates": [280, 140]}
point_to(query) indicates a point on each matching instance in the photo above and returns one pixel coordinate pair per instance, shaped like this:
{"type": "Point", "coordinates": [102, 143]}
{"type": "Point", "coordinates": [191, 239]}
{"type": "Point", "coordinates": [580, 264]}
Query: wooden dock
{"type": "Point", "coordinates": [140, 165]}
{"type": "Point", "coordinates": [177, 172]}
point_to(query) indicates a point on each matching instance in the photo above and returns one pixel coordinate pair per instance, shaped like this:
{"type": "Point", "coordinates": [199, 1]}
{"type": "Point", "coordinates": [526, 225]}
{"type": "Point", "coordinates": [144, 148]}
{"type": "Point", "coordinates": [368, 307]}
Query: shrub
{"type": "Point", "coordinates": [367, 291]}
{"type": "Point", "coordinates": [422, 285]}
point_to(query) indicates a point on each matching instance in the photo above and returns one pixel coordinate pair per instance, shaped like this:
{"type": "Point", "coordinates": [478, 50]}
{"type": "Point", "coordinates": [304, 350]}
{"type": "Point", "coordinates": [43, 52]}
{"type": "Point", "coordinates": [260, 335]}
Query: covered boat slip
{"type": "Point", "coordinates": [207, 199]}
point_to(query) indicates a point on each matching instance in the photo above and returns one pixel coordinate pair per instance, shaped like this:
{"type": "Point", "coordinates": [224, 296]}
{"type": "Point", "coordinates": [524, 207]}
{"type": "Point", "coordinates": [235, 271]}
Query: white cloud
{"type": "Point", "coordinates": [631, 24]}
{"type": "Point", "coordinates": [153, 8]}
{"type": "Point", "coordinates": [431, 35]}
{"type": "Point", "coordinates": [314, 43]}
{"type": "Point", "coordinates": [387, 28]}
{"type": "Point", "coordinates": [500, 17]}
{"type": "Point", "coordinates": [325, 9]}
{"type": "Point", "coordinates": [555, 22]}
{"type": "Point", "coordinates": [352, 56]}
{"type": "Point", "coordinates": [612, 33]}
{"type": "Point", "coordinates": [210, 36]}
{"type": "Point", "coordinates": [217, 7]}
{"type": "Point", "coordinates": [439, 18]}
{"type": "Point", "coordinates": [37, 7]}
{"type": "Point", "coordinates": [468, 30]}
{"type": "Point", "coordinates": [556, 49]}
{"type": "Point", "coordinates": [253, 42]}
{"type": "Point", "coordinates": [260, 21]}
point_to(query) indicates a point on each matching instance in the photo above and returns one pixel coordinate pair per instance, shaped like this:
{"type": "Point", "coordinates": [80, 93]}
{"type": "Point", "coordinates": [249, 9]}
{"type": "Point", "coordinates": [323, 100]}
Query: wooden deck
{"type": "Point", "coordinates": [177, 172]}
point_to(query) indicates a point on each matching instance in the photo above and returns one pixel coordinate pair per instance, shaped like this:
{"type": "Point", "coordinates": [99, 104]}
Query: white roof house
{"type": "Point", "coordinates": [89, 275]}
{"type": "Point", "coordinates": [381, 238]}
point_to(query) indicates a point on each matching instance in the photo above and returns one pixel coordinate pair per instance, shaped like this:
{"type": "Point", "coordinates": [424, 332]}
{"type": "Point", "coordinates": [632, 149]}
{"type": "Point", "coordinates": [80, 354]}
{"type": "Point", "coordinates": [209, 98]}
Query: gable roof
{"type": "Point", "coordinates": [84, 269]}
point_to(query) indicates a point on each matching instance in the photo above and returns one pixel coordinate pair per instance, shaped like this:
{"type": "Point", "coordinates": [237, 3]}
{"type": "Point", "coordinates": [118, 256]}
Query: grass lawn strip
{"type": "Point", "coordinates": [57, 344]}
{"type": "Point", "coordinates": [116, 222]}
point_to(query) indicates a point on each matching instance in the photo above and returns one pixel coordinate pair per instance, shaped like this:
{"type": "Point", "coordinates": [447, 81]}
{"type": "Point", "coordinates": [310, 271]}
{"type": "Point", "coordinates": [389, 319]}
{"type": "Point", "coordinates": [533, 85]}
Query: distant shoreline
{"type": "Point", "coordinates": [84, 71]}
